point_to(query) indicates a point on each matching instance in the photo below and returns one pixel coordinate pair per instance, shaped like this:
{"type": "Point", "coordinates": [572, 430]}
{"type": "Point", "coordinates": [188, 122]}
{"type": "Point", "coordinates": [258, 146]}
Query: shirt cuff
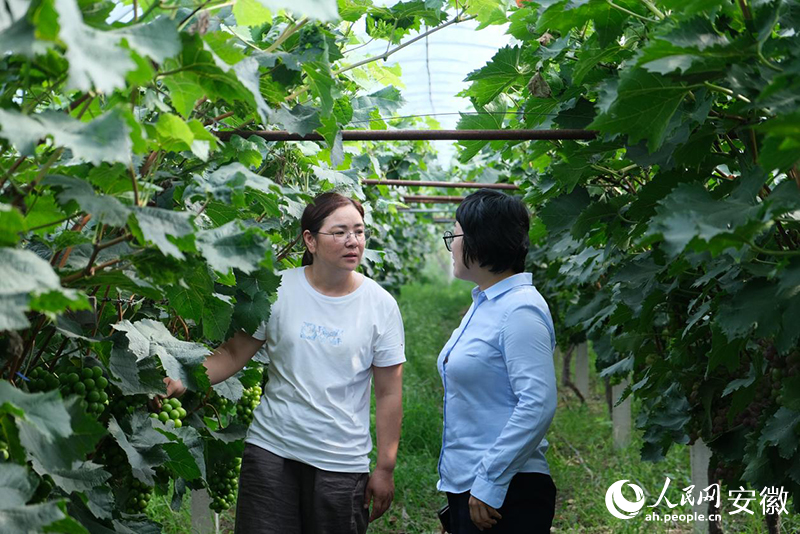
{"type": "Point", "coordinates": [492, 494]}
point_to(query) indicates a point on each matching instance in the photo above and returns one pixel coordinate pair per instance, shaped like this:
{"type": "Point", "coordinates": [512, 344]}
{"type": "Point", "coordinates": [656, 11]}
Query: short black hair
{"type": "Point", "coordinates": [495, 228]}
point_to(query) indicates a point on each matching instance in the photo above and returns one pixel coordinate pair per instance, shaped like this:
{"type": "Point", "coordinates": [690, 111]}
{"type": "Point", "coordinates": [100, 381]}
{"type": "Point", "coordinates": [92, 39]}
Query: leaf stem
{"type": "Point", "coordinates": [65, 219]}
{"type": "Point", "coordinates": [727, 91]}
{"type": "Point", "coordinates": [654, 10]}
{"type": "Point", "coordinates": [629, 12]}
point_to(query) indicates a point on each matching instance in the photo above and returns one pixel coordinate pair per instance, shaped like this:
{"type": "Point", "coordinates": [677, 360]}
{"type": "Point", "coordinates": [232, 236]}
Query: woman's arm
{"type": "Point", "coordinates": [526, 344]}
{"type": "Point", "coordinates": [227, 360]}
{"type": "Point", "coordinates": [388, 416]}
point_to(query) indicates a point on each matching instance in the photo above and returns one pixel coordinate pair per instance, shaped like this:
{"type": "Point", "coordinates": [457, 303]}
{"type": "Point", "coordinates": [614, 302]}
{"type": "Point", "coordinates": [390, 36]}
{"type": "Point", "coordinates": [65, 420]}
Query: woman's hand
{"type": "Point", "coordinates": [175, 388]}
{"type": "Point", "coordinates": [380, 490]}
{"type": "Point", "coordinates": [483, 515]}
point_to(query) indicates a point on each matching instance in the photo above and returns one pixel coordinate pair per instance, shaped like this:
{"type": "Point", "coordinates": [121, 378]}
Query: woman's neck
{"type": "Point", "coordinates": [332, 283]}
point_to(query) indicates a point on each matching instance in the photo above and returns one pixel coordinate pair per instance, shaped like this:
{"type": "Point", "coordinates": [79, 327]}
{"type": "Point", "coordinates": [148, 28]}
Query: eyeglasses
{"type": "Point", "coordinates": [340, 236]}
{"type": "Point", "coordinates": [448, 239]}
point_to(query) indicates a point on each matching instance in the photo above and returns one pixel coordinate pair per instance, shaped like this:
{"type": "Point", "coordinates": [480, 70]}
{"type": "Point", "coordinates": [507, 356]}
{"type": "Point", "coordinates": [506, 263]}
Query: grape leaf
{"type": "Point", "coordinates": [34, 518]}
{"type": "Point", "coordinates": [233, 246]}
{"type": "Point", "coordinates": [181, 359]}
{"type": "Point", "coordinates": [641, 107]}
{"type": "Point", "coordinates": [17, 485]}
{"type": "Point", "coordinates": [95, 60]}
{"type": "Point", "coordinates": [157, 40]}
{"type": "Point", "coordinates": [142, 445]}
{"type": "Point", "coordinates": [23, 274]}
{"type": "Point", "coordinates": [157, 224]}
{"type": "Point", "coordinates": [104, 139]}
{"type": "Point", "coordinates": [504, 70]}
{"type": "Point", "coordinates": [104, 208]}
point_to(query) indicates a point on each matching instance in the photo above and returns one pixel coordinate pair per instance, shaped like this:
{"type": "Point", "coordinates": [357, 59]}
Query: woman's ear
{"type": "Point", "coordinates": [311, 243]}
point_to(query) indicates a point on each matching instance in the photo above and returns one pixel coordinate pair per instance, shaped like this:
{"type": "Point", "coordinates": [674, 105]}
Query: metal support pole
{"type": "Point", "coordinates": [460, 185]}
{"type": "Point", "coordinates": [418, 135]}
{"type": "Point", "coordinates": [410, 199]}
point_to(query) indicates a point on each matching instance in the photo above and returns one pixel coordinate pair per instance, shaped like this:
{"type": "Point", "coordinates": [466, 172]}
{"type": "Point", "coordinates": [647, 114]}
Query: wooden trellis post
{"type": "Point", "coordinates": [582, 369]}
{"type": "Point", "coordinates": [204, 521]}
{"type": "Point", "coordinates": [700, 458]}
{"type": "Point", "coordinates": [621, 416]}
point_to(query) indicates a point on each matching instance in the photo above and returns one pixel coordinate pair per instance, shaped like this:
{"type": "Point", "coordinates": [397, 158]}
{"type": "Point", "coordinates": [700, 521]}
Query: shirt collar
{"type": "Point", "coordinates": [519, 279]}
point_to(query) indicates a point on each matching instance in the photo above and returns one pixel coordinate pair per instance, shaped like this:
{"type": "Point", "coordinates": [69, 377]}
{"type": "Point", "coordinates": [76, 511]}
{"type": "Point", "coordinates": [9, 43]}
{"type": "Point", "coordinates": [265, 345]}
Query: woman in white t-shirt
{"type": "Point", "coordinates": [305, 467]}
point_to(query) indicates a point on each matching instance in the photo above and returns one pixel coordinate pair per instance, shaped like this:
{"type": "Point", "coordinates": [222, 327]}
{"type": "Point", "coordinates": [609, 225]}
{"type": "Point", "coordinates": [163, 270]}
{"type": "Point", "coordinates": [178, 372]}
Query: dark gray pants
{"type": "Point", "coordinates": [283, 496]}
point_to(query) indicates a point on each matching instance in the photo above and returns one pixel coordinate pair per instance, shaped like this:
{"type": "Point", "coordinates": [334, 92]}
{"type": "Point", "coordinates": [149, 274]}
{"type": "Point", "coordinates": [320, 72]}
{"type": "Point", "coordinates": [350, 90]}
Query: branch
{"type": "Point", "coordinates": [82, 274]}
{"type": "Point", "coordinates": [285, 250]}
{"type": "Point", "coordinates": [102, 246]}
{"type": "Point", "coordinates": [135, 185]}
{"type": "Point", "coordinates": [288, 32]}
{"type": "Point", "coordinates": [11, 170]}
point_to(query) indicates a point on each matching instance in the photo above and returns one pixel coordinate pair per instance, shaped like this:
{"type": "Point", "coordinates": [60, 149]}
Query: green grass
{"type": "Point", "coordinates": [582, 459]}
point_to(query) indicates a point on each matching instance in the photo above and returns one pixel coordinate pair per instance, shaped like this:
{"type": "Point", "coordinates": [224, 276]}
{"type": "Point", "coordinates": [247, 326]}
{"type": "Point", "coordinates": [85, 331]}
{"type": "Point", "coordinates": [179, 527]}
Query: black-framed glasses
{"type": "Point", "coordinates": [340, 236]}
{"type": "Point", "coordinates": [448, 239]}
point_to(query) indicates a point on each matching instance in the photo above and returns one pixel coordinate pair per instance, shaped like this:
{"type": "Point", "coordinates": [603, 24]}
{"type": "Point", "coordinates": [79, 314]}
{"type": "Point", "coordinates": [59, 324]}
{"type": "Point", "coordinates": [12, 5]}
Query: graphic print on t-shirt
{"type": "Point", "coordinates": [321, 334]}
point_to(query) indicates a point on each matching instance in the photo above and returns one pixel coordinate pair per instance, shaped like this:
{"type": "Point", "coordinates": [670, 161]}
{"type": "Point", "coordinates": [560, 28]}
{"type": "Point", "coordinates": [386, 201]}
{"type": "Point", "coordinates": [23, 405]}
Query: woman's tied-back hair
{"type": "Point", "coordinates": [495, 228]}
{"type": "Point", "coordinates": [315, 214]}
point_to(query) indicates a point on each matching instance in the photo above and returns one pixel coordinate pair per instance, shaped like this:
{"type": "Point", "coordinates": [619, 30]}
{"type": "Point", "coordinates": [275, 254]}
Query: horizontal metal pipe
{"type": "Point", "coordinates": [421, 199]}
{"type": "Point", "coordinates": [417, 135]}
{"type": "Point", "coordinates": [460, 185]}
{"type": "Point", "coordinates": [426, 210]}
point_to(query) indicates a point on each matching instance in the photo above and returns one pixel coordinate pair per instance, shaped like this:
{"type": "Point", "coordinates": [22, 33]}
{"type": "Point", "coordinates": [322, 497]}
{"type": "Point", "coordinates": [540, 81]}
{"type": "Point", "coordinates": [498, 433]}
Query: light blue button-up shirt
{"type": "Point", "coordinates": [499, 391]}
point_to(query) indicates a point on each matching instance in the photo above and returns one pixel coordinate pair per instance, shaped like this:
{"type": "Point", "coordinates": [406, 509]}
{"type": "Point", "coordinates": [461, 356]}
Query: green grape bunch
{"type": "Point", "coordinates": [138, 498]}
{"type": "Point", "coordinates": [116, 461]}
{"type": "Point", "coordinates": [171, 410]}
{"type": "Point", "coordinates": [41, 380]}
{"type": "Point", "coordinates": [222, 485]}
{"type": "Point", "coordinates": [122, 406]}
{"type": "Point", "coordinates": [4, 454]}
{"type": "Point", "coordinates": [90, 384]}
{"type": "Point", "coordinates": [248, 404]}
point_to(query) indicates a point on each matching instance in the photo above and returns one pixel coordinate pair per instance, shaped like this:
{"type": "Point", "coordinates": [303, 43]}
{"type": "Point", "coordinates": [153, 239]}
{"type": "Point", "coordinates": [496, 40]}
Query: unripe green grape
{"type": "Point", "coordinates": [79, 388]}
{"type": "Point", "coordinates": [174, 414]}
{"type": "Point", "coordinates": [181, 412]}
{"type": "Point", "coordinates": [97, 372]}
{"type": "Point", "coordinates": [102, 382]}
{"type": "Point", "coordinates": [72, 378]}
{"type": "Point", "coordinates": [86, 373]}
{"type": "Point", "coordinates": [163, 417]}
{"type": "Point", "coordinates": [178, 423]}
{"type": "Point", "coordinates": [52, 381]}
{"type": "Point", "coordinates": [89, 383]}
{"type": "Point", "coordinates": [103, 396]}
{"type": "Point", "coordinates": [93, 396]}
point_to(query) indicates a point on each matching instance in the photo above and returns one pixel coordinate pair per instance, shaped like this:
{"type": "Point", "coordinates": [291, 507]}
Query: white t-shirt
{"type": "Point", "coordinates": [315, 407]}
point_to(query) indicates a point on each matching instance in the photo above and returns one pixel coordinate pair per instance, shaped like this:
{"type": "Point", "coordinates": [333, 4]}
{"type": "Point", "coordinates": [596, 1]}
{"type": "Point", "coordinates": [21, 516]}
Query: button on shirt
{"type": "Point", "coordinates": [499, 391]}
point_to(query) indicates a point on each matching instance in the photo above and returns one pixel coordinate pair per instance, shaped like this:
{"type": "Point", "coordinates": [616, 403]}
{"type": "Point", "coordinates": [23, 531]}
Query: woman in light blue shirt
{"type": "Point", "coordinates": [499, 379]}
